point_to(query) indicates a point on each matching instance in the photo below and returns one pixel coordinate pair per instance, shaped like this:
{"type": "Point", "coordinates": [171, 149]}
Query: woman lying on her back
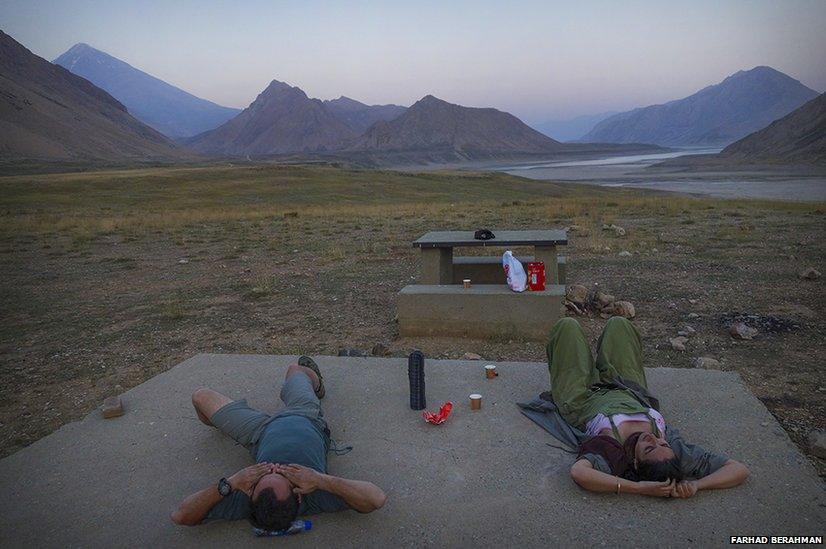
{"type": "Point", "coordinates": [629, 447]}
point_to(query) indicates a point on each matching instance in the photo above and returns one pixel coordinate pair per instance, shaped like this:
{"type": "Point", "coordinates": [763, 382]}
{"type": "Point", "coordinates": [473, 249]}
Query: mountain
{"type": "Point", "coordinates": [715, 116]}
{"type": "Point", "coordinates": [573, 128]}
{"type": "Point", "coordinates": [170, 110]}
{"type": "Point", "coordinates": [359, 116]}
{"type": "Point", "coordinates": [281, 120]}
{"type": "Point", "coordinates": [444, 131]}
{"type": "Point", "coordinates": [48, 113]}
{"type": "Point", "coordinates": [797, 138]}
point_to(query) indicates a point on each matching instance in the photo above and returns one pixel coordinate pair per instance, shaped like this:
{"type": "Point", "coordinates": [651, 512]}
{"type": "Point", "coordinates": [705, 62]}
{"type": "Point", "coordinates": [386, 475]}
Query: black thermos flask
{"type": "Point", "coordinates": [415, 371]}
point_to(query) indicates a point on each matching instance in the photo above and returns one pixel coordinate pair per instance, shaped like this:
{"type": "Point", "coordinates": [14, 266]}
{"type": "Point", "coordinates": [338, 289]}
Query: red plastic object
{"type": "Point", "coordinates": [439, 418]}
{"type": "Point", "coordinates": [536, 276]}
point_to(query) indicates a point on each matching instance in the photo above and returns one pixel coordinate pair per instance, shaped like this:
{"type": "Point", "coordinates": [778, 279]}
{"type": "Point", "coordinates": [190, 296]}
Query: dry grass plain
{"type": "Point", "coordinates": [109, 278]}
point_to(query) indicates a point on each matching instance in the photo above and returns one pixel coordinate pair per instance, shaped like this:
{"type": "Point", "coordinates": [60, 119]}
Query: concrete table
{"type": "Point", "coordinates": [437, 250]}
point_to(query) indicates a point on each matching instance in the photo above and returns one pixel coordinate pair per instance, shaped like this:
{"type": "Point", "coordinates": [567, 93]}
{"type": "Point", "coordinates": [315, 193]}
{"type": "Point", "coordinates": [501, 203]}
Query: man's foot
{"type": "Point", "coordinates": [308, 362]}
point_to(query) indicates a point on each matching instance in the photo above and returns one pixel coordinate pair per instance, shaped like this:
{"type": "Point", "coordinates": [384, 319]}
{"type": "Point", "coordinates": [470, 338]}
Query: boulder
{"type": "Point", "coordinates": [810, 274]}
{"type": "Point", "coordinates": [577, 294]}
{"type": "Point", "coordinates": [625, 253]}
{"type": "Point", "coordinates": [678, 343]}
{"type": "Point", "coordinates": [624, 308]}
{"type": "Point", "coordinates": [604, 299]}
{"type": "Point", "coordinates": [693, 316]}
{"type": "Point", "coordinates": [739, 330]}
{"type": "Point", "coordinates": [707, 363]}
{"type": "Point", "coordinates": [471, 356]}
{"type": "Point", "coordinates": [817, 443]}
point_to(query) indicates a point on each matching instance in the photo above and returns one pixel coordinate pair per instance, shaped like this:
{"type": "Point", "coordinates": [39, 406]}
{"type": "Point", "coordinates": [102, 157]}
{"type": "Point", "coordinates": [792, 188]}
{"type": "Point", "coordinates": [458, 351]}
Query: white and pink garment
{"type": "Point", "coordinates": [600, 421]}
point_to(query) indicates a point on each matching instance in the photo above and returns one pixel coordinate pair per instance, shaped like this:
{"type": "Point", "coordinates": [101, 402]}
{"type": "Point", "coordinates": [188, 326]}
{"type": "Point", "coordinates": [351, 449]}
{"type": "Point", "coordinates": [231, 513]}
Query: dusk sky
{"type": "Point", "coordinates": [538, 60]}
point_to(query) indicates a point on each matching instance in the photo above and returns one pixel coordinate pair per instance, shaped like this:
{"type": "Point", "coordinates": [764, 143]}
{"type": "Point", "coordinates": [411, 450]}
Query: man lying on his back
{"type": "Point", "coordinates": [290, 449]}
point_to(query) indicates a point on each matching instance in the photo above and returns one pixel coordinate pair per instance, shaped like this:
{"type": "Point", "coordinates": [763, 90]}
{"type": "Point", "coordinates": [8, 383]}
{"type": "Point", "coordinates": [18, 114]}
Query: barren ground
{"type": "Point", "coordinates": [109, 278]}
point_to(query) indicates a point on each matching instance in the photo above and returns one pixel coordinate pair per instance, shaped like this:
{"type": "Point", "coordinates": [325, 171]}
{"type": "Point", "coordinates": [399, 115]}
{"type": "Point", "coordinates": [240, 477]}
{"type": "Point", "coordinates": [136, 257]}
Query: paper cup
{"type": "Point", "coordinates": [490, 371]}
{"type": "Point", "coordinates": [475, 401]}
{"type": "Point", "coordinates": [466, 283]}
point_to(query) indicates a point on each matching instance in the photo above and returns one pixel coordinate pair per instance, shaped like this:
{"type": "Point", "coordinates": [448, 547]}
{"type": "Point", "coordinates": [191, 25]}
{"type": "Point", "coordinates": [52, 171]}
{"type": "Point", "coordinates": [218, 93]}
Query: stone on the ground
{"type": "Point", "coordinates": [619, 231]}
{"type": "Point", "coordinates": [624, 308]}
{"type": "Point", "coordinates": [604, 300]}
{"type": "Point", "coordinates": [707, 363]}
{"type": "Point", "coordinates": [817, 444]}
{"type": "Point", "coordinates": [625, 253]}
{"type": "Point", "coordinates": [740, 330]}
{"type": "Point", "coordinates": [380, 349]}
{"type": "Point", "coordinates": [672, 306]}
{"type": "Point", "coordinates": [471, 356]}
{"type": "Point", "coordinates": [344, 351]}
{"type": "Point", "coordinates": [112, 407]}
{"type": "Point", "coordinates": [678, 343]}
{"type": "Point", "coordinates": [693, 316]}
{"type": "Point", "coordinates": [689, 330]}
{"type": "Point", "coordinates": [810, 274]}
{"type": "Point", "coordinates": [577, 294]}
{"type": "Point", "coordinates": [183, 261]}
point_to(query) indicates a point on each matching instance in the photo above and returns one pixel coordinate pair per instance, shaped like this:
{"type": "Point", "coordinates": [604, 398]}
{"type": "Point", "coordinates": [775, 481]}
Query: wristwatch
{"type": "Point", "coordinates": [224, 487]}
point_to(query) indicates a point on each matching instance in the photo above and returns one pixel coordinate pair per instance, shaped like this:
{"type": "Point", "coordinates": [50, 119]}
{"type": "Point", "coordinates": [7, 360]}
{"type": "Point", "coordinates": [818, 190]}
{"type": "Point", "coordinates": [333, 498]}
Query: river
{"type": "Point", "coordinates": [629, 171]}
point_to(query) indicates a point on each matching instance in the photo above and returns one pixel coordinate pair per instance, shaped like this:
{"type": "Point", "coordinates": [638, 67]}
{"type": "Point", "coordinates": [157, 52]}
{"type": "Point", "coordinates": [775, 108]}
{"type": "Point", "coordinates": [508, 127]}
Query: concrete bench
{"type": "Point", "coordinates": [482, 311]}
{"type": "Point", "coordinates": [488, 269]}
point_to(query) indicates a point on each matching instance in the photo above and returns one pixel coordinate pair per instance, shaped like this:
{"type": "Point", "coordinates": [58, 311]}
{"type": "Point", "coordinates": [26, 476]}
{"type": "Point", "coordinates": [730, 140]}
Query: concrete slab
{"type": "Point", "coordinates": [484, 478]}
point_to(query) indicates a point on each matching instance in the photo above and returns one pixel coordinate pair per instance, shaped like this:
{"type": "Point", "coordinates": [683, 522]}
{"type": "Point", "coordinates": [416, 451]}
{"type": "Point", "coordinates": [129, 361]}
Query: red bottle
{"type": "Point", "coordinates": [536, 276]}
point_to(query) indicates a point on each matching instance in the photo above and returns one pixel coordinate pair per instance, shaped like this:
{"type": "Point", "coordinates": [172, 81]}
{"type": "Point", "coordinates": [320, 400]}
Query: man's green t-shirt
{"type": "Point", "coordinates": [287, 439]}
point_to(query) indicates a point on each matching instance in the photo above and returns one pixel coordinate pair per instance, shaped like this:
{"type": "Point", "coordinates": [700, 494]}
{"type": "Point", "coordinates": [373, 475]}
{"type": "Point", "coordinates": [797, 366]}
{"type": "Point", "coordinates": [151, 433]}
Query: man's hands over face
{"type": "Point", "coordinates": [246, 479]}
{"type": "Point", "coordinates": [684, 489]}
{"type": "Point", "coordinates": [304, 479]}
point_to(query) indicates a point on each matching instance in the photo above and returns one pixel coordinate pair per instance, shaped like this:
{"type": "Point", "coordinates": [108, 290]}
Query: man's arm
{"type": "Point", "coordinates": [592, 480]}
{"type": "Point", "coordinates": [731, 474]}
{"type": "Point", "coordinates": [363, 496]}
{"type": "Point", "coordinates": [195, 508]}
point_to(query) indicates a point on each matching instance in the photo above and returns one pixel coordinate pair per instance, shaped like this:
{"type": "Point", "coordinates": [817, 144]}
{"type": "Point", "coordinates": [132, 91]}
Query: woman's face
{"type": "Point", "coordinates": [652, 448]}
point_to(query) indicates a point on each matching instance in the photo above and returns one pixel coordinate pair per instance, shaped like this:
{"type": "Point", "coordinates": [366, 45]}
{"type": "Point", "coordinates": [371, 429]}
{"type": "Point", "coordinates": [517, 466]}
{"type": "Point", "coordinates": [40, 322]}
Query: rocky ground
{"type": "Point", "coordinates": [90, 311]}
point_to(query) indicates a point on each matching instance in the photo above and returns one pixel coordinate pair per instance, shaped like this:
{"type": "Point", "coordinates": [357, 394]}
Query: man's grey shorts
{"type": "Point", "coordinates": [245, 424]}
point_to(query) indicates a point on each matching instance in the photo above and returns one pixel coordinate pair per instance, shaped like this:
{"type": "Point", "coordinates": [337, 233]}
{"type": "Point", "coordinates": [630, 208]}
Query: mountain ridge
{"type": "Point", "coordinates": [716, 115]}
{"type": "Point", "coordinates": [281, 120]}
{"type": "Point", "coordinates": [170, 110]}
{"type": "Point", "coordinates": [432, 124]}
{"type": "Point", "coordinates": [360, 116]}
{"type": "Point", "coordinates": [49, 113]}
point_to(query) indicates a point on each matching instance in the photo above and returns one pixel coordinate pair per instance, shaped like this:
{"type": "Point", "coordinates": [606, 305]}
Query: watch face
{"type": "Point", "coordinates": [224, 487]}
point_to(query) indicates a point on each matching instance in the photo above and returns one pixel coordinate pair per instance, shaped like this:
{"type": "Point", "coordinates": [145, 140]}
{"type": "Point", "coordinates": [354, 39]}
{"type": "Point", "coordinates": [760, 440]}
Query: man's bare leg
{"type": "Point", "coordinates": [207, 402]}
{"type": "Point", "coordinates": [295, 368]}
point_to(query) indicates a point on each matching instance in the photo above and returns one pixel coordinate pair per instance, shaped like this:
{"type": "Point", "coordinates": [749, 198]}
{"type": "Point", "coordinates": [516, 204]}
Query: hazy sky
{"type": "Point", "coordinates": [538, 60]}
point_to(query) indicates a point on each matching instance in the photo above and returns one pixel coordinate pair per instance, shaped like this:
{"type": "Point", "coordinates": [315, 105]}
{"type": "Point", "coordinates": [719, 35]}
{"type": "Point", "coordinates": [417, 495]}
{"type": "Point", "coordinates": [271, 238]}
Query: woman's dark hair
{"type": "Point", "coordinates": [659, 471]}
{"type": "Point", "coordinates": [269, 513]}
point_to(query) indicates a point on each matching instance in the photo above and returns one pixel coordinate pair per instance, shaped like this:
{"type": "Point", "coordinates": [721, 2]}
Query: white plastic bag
{"type": "Point", "coordinates": [517, 279]}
